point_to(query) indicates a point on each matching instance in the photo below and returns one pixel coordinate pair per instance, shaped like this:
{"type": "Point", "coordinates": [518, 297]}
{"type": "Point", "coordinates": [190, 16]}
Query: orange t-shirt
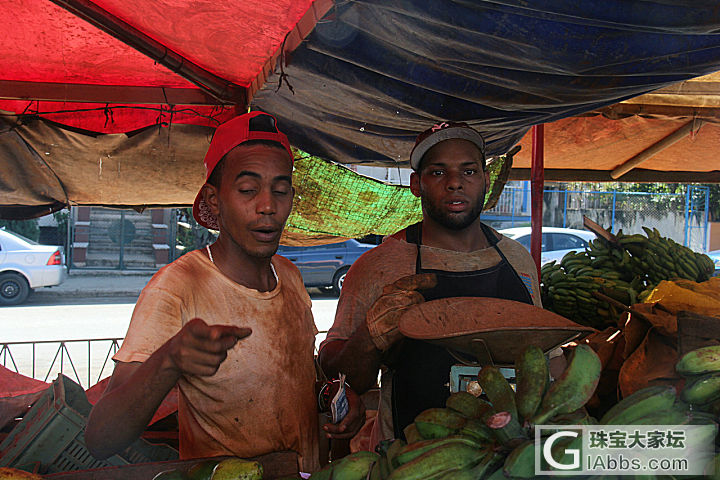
{"type": "Point", "coordinates": [262, 397]}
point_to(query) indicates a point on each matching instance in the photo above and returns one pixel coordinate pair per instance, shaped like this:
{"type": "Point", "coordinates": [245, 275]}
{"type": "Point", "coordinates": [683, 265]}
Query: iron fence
{"type": "Point", "coordinates": [45, 359]}
{"type": "Point", "coordinates": [25, 357]}
{"type": "Point", "coordinates": [684, 217]}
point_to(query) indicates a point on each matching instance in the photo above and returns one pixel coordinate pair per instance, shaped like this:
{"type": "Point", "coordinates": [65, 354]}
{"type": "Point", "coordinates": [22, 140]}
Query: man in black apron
{"type": "Point", "coordinates": [451, 180]}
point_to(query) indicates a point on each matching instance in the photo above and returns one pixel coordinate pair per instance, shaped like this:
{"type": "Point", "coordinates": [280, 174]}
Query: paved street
{"type": "Point", "coordinates": [85, 310]}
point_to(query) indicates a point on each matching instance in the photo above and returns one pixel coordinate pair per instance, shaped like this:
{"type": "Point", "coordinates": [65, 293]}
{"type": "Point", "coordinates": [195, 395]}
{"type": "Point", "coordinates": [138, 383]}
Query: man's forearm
{"type": "Point", "coordinates": [356, 357]}
{"type": "Point", "coordinates": [122, 414]}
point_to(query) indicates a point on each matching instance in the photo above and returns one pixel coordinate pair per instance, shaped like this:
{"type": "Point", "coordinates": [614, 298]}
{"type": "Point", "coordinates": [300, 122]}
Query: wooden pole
{"type": "Point", "coordinates": [655, 148]}
{"type": "Point", "coordinates": [537, 183]}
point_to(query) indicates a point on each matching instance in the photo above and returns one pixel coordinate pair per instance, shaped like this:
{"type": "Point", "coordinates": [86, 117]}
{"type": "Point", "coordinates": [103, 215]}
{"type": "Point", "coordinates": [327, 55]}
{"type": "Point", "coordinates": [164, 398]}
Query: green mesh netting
{"type": "Point", "coordinates": [333, 201]}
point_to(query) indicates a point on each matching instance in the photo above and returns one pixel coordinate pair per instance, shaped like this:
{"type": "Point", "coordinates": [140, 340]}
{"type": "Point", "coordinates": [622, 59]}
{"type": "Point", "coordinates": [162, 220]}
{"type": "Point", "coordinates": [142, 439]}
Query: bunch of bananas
{"type": "Point", "coordinates": [625, 270]}
{"type": "Point", "coordinates": [655, 405]}
{"type": "Point", "coordinates": [491, 437]}
{"type": "Point", "coordinates": [701, 392]}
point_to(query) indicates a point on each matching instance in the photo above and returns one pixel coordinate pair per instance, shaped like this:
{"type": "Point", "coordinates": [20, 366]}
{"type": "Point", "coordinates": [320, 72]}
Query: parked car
{"type": "Point", "coordinates": [556, 242]}
{"type": "Point", "coordinates": [715, 256]}
{"type": "Point", "coordinates": [26, 265]}
{"type": "Point", "coordinates": [325, 266]}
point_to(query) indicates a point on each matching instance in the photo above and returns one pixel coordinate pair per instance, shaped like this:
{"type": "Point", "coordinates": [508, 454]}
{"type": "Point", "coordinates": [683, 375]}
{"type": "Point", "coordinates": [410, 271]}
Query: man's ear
{"type": "Point", "coordinates": [210, 195]}
{"type": "Point", "coordinates": [487, 179]}
{"type": "Point", "coordinates": [415, 183]}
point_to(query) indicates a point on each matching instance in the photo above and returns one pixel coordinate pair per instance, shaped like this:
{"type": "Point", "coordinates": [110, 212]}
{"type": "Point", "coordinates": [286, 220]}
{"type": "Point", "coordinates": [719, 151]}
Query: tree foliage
{"type": "Point", "coordinates": [26, 228]}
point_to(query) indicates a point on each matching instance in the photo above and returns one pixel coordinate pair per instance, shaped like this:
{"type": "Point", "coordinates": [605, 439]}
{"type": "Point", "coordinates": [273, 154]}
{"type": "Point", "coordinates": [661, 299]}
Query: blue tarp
{"type": "Point", "coordinates": [375, 73]}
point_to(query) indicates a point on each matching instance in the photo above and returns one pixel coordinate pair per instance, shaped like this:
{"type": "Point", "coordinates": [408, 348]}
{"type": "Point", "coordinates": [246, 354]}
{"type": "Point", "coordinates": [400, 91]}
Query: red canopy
{"type": "Point", "coordinates": [177, 52]}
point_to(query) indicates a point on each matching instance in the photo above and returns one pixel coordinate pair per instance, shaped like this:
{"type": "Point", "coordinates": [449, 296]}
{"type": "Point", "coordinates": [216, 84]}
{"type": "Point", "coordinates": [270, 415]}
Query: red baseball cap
{"type": "Point", "coordinates": [244, 128]}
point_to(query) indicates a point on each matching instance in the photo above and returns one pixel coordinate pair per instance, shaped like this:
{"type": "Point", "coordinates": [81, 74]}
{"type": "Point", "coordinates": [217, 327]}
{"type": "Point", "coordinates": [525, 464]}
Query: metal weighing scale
{"type": "Point", "coordinates": [479, 331]}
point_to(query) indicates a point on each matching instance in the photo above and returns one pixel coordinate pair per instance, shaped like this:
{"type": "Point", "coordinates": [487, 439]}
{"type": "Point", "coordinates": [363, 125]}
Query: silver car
{"type": "Point", "coordinates": [556, 242]}
{"type": "Point", "coordinates": [26, 265]}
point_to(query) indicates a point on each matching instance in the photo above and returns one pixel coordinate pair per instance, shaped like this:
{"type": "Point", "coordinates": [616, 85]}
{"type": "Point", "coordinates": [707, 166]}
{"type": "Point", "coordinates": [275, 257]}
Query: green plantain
{"type": "Point", "coordinates": [393, 450]}
{"type": "Point", "coordinates": [670, 416]}
{"type": "Point", "coordinates": [355, 466]}
{"type": "Point", "coordinates": [477, 430]}
{"type": "Point", "coordinates": [433, 463]}
{"type": "Point", "coordinates": [439, 422]}
{"type": "Point", "coordinates": [574, 387]}
{"type": "Point", "coordinates": [639, 404]}
{"type": "Point", "coordinates": [702, 390]}
{"type": "Point", "coordinates": [466, 404]}
{"type": "Point", "coordinates": [531, 380]}
{"type": "Point", "coordinates": [411, 434]}
{"type": "Point", "coordinates": [412, 451]}
{"type": "Point", "coordinates": [699, 361]}
{"type": "Point", "coordinates": [498, 390]}
{"type": "Point", "coordinates": [521, 461]}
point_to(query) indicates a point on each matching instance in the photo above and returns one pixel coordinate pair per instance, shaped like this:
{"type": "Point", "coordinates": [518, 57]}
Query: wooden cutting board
{"type": "Point", "coordinates": [489, 330]}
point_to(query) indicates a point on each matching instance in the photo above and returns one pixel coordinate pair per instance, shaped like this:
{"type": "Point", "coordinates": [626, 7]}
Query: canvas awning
{"type": "Point", "coordinates": [91, 120]}
{"type": "Point", "coordinates": [669, 135]}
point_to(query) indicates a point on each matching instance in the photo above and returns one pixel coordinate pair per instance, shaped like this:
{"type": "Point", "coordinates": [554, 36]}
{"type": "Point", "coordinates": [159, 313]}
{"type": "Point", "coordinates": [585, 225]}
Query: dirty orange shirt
{"type": "Point", "coordinates": [262, 397]}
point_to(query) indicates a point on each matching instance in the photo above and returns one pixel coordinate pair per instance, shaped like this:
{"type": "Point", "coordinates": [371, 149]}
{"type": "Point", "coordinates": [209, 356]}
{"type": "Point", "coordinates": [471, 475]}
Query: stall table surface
{"type": "Point", "coordinates": [275, 465]}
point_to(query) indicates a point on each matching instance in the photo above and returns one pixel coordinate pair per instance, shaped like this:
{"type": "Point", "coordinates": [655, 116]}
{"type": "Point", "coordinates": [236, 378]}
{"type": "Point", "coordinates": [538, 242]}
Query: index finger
{"type": "Point", "coordinates": [220, 331]}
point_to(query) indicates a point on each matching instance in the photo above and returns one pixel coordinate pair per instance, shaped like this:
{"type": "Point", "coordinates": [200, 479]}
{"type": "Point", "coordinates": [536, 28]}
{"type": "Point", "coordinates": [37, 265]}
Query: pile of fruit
{"type": "Point", "coordinates": [473, 438]}
{"type": "Point", "coordinates": [492, 436]}
{"type": "Point", "coordinates": [625, 270]}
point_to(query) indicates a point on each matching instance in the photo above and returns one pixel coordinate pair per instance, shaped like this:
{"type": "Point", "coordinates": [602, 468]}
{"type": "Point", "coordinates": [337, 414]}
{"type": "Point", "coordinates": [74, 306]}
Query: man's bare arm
{"type": "Point", "coordinates": [359, 357]}
{"type": "Point", "coordinates": [356, 357]}
{"type": "Point", "coordinates": [134, 393]}
{"type": "Point", "coordinates": [136, 390]}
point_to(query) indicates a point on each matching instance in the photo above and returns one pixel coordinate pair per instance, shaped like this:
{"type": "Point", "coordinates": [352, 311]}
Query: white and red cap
{"type": "Point", "coordinates": [441, 132]}
{"type": "Point", "coordinates": [227, 136]}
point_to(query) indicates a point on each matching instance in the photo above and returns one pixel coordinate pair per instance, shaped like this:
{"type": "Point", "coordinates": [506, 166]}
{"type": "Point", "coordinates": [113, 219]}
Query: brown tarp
{"type": "Point", "coordinates": [43, 164]}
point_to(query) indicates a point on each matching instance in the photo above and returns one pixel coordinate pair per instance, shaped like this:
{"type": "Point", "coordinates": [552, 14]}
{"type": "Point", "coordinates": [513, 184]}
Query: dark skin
{"type": "Point", "coordinates": [451, 183]}
{"type": "Point", "coordinates": [252, 203]}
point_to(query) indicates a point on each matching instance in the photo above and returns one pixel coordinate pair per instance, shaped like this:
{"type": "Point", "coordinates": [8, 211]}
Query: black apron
{"type": "Point", "coordinates": [421, 370]}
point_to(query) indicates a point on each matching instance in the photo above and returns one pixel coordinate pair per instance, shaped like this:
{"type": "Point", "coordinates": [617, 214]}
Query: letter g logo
{"type": "Point", "coordinates": [573, 452]}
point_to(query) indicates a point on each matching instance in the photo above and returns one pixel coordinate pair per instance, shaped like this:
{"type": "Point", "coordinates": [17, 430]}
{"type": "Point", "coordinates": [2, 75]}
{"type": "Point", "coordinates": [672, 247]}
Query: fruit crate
{"type": "Point", "coordinates": [50, 437]}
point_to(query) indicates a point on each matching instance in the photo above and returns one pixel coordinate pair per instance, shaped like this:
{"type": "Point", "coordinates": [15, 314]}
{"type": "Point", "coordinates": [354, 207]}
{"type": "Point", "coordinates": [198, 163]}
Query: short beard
{"type": "Point", "coordinates": [452, 222]}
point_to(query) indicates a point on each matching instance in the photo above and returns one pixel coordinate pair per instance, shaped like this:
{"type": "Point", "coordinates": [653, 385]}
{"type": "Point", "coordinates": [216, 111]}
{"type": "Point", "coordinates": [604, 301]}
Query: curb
{"type": "Point", "coordinates": [86, 293]}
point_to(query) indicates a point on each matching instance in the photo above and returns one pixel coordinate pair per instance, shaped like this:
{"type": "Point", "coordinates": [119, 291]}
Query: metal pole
{"type": "Point", "coordinates": [173, 234]}
{"type": "Point", "coordinates": [706, 241]}
{"type": "Point", "coordinates": [565, 210]}
{"type": "Point", "coordinates": [69, 227]}
{"type": "Point", "coordinates": [612, 222]}
{"type": "Point", "coordinates": [687, 214]}
{"type": "Point", "coordinates": [537, 176]}
{"type": "Point", "coordinates": [512, 210]}
{"type": "Point", "coordinates": [121, 242]}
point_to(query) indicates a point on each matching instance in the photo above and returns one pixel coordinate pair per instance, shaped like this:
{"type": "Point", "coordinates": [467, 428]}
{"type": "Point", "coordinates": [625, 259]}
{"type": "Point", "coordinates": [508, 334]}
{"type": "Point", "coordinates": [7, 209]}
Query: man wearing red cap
{"type": "Point", "coordinates": [449, 254]}
{"type": "Point", "coordinates": [230, 325]}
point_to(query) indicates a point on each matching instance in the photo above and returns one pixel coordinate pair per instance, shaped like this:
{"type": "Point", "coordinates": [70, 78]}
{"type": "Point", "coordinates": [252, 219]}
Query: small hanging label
{"type": "Point", "coordinates": [339, 405]}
